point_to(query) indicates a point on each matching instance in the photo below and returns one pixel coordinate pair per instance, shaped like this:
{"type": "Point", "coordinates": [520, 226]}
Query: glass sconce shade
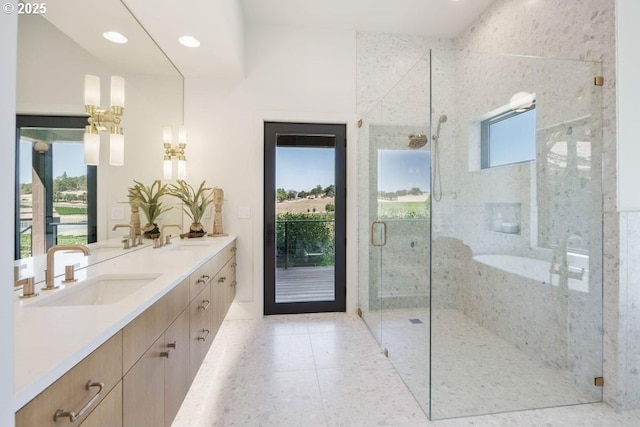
{"type": "Point", "coordinates": [92, 149]}
{"type": "Point", "coordinates": [116, 149]}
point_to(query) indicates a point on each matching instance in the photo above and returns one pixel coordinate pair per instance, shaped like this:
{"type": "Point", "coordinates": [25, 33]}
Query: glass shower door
{"type": "Point", "coordinates": [394, 199]}
{"type": "Point", "coordinates": [516, 261]}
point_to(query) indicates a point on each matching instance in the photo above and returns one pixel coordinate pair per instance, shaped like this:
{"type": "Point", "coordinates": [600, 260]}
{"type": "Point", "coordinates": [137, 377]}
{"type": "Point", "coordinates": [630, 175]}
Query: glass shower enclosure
{"type": "Point", "coordinates": [480, 231]}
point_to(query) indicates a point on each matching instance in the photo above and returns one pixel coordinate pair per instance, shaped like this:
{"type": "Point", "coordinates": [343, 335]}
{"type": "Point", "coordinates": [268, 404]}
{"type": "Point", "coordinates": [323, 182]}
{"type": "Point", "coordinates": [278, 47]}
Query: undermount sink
{"type": "Point", "coordinates": [186, 246]}
{"type": "Point", "coordinates": [101, 290]}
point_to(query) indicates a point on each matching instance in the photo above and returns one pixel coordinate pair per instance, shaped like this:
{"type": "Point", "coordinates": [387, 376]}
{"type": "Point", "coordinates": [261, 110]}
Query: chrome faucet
{"type": "Point", "coordinates": [132, 233]}
{"type": "Point", "coordinates": [162, 232]}
{"type": "Point", "coordinates": [51, 252]}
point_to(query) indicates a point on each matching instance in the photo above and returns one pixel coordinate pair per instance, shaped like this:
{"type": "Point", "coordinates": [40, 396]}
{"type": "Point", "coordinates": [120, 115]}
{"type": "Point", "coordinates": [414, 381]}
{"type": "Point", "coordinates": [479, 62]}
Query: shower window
{"type": "Point", "coordinates": [508, 138]}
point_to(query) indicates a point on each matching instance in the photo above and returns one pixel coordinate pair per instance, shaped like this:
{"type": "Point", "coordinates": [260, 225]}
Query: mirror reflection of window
{"type": "Point", "coordinates": [56, 190]}
{"type": "Point", "coordinates": [404, 182]}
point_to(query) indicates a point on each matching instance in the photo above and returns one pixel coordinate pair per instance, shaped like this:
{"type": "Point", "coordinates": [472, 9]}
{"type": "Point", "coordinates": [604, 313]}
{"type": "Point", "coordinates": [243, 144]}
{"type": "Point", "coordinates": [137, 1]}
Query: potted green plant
{"type": "Point", "coordinates": [148, 199]}
{"type": "Point", "coordinates": [195, 203]}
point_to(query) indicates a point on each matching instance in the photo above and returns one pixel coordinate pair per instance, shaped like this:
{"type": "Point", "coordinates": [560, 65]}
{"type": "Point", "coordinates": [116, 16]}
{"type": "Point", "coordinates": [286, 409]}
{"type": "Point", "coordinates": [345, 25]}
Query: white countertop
{"type": "Point", "coordinates": [51, 340]}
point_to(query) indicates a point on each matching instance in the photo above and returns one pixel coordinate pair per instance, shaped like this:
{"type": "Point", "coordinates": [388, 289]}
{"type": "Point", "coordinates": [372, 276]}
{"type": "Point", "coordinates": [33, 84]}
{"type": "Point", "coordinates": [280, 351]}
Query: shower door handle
{"type": "Point", "coordinates": [384, 233]}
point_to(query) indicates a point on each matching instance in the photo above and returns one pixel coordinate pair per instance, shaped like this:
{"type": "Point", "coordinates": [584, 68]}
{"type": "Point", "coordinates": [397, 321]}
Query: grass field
{"type": "Point", "coordinates": [71, 210]}
{"type": "Point", "coordinates": [304, 205]}
{"type": "Point", "coordinates": [393, 209]}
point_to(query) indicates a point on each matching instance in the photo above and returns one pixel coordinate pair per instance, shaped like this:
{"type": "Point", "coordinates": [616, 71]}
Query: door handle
{"type": "Point", "coordinates": [384, 233]}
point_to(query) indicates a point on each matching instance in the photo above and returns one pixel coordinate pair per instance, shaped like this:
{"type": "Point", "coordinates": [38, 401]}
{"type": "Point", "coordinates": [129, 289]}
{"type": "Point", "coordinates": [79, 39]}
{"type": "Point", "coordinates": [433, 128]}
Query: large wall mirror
{"type": "Point", "coordinates": [55, 52]}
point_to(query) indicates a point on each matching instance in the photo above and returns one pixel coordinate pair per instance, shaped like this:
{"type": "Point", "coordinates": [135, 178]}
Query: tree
{"type": "Point", "coordinates": [303, 194]}
{"type": "Point", "coordinates": [281, 195]}
{"type": "Point", "coordinates": [316, 191]}
{"type": "Point", "coordinates": [330, 191]}
{"type": "Point", "coordinates": [415, 191]}
{"type": "Point", "coordinates": [330, 207]}
{"type": "Point", "coordinates": [291, 194]}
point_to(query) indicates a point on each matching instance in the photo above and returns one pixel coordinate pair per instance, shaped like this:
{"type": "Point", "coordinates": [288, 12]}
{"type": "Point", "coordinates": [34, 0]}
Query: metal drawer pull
{"type": "Point", "coordinates": [170, 345]}
{"type": "Point", "coordinates": [234, 265]}
{"type": "Point", "coordinates": [222, 279]}
{"type": "Point", "coordinates": [201, 280]}
{"type": "Point", "coordinates": [234, 283]}
{"type": "Point", "coordinates": [206, 277]}
{"type": "Point", "coordinates": [204, 338]}
{"type": "Point", "coordinates": [61, 413]}
{"type": "Point", "coordinates": [205, 305]}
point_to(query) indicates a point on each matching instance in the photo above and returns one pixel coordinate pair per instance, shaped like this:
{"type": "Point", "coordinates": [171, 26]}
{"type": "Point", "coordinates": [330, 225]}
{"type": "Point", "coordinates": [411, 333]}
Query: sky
{"type": "Point", "coordinates": [68, 157]}
{"type": "Point", "coordinates": [404, 170]}
{"type": "Point", "coordinates": [513, 140]}
{"type": "Point", "coordinates": [302, 168]}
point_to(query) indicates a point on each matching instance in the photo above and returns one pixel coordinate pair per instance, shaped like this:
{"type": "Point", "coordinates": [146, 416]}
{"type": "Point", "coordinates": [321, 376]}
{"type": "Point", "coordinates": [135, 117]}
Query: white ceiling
{"type": "Point", "coordinates": [432, 18]}
{"type": "Point", "coordinates": [212, 22]}
{"type": "Point", "coordinates": [219, 25]}
{"type": "Point", "coordinates": [84, 21]}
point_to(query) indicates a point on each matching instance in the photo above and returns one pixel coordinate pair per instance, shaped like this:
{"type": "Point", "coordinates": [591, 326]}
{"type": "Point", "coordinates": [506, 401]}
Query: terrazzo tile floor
{"type": "Point", "coordinates": [328, 370]}
{"type": "Point", "coordinates": [473, 370]}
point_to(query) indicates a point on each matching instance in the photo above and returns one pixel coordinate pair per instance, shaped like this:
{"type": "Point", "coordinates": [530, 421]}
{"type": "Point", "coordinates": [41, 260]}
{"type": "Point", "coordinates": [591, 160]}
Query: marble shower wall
{"type": "Point", "coordinates": [581, 29]}
{"type": "Point", "coordinates": [396, 276]}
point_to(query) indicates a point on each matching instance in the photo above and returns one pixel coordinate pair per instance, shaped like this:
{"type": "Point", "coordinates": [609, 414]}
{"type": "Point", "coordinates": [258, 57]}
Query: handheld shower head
{"type": "Point", "coordinates": [441, 120]}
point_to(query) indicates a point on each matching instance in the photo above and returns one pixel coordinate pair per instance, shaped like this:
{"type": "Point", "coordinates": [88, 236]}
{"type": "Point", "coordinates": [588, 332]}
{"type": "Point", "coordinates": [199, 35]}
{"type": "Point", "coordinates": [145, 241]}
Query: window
{"type": "Point", "coordinates": [508, 138]}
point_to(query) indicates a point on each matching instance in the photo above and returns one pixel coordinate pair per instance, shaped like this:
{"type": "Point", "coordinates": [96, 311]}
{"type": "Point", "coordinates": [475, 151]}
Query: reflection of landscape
{"type": "Point", "coordinates": [404, 207]}
{"type": "Point", "coordinates": [69, 219]}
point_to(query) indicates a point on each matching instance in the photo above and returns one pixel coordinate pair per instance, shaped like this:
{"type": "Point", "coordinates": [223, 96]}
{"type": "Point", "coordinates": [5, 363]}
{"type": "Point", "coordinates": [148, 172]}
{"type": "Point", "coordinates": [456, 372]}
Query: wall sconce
{"type": "Point", "coordinates": [103, 121]}
{"type": "Point", "coordinates": [174, 152]}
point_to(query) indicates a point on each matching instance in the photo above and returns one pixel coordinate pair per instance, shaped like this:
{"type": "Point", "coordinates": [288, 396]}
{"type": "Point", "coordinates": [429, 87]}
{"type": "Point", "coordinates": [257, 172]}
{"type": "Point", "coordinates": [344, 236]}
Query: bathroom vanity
{"type": "Point", "coordinates": [126, 356]}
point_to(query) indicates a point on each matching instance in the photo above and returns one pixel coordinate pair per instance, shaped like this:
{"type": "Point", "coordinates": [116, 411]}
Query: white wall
{"type": "Point", "coordinates": [8, 43]}
{"type": "Point", "coordinates": [292, 74]}
{"type": "Point", "coordinates": [628, 62]}
{"type": "Point", "coordinates": [628, 334]}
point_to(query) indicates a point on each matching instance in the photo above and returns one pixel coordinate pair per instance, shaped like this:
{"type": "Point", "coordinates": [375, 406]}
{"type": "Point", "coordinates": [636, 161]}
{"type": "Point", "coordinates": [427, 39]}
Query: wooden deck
{"type": "Point", "coordinates": [303, 284]}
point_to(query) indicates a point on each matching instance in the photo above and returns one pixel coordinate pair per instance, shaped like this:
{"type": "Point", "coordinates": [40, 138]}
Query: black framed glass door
{"type": "Point", "coordinates": [305, 218]}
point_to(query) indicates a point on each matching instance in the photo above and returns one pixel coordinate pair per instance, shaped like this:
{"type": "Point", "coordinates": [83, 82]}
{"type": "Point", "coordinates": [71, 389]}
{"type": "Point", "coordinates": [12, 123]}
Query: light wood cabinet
{"type": "Point", "coordinates": [146, 368]}
{"type": "Point", "coordinates": [70, 395]}
{"type": "Point", "coordinates": [149, 325]}
{"type": "Point", "coordinates": [199, 330]}
{"type": "Point", "coordinates": [109, 412]}
{"type": "Point", "coordinates": [176, 366]}
{"type": "Point", "coordinates": [143, 389]}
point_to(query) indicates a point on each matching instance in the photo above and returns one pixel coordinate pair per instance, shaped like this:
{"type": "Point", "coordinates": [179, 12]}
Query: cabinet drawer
{"type": "Point", "coordinates": [198, 280]}
{"type": "Point", "coordinates": [147, 327]}
{"type": "Point", "coordinates": [226, 281]}
{"type": "Point", "coordinates": [199, 315]}
{"type": "Point", "coordinates": [200, 333]}
{"type": "Point", "coordinates": [70, 393]}
{"type": "Point", "coordinates": [108, 412]}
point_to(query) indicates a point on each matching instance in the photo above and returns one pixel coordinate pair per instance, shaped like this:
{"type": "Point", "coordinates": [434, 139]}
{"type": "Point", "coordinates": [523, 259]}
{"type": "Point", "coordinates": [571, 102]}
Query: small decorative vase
{"type": "Point", "coordinates": [196, 230]}
{"type": "Point", "coordinates": [151, 231]}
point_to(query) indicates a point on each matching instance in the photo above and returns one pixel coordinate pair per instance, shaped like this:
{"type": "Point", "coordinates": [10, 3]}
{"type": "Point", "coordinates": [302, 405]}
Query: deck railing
{"type": "Point", "coordinates": [305, 243]}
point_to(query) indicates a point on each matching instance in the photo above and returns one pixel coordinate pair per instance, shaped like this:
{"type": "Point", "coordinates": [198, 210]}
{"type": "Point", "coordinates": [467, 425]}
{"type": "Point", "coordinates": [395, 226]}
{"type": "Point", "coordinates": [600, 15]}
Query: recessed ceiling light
{"type": "Point", "coordinates": [189, 41]}
{"type": "Point", "coordinates": [114, 36]}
